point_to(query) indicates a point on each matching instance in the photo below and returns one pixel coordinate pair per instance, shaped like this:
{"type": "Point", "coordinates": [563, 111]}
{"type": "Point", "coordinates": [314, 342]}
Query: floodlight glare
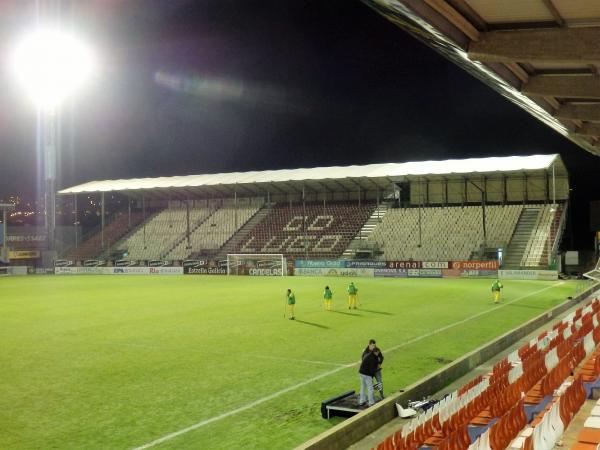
{"type": "Point", "coordinates": [50, 64]}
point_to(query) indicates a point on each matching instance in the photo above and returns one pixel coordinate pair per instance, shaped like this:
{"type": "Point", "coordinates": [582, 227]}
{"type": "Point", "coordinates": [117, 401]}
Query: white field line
{"type": "Point", "coordinates": [261, 400]}
{"type": "Point", "coordinates": [281, 358]}
{"type": "Point", "coordinates": [309, 361]}
{"type": "Point", "coordinates": [475, 316]}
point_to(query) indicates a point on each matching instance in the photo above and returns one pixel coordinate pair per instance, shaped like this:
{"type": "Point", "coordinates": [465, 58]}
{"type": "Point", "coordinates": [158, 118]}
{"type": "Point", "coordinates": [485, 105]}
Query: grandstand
{"type": "Point", "coordinates": [510, 208]}
{"type": "Point", "coordinates": [422, 233]}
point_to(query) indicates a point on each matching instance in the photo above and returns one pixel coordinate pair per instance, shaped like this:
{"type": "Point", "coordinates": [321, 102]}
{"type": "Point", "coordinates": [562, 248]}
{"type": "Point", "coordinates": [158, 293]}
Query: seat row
{"type": "Point", "coordinates": [538, 369]}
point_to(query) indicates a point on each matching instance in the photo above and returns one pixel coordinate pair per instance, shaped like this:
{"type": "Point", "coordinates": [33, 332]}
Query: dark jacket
{"type": "Point", "coordinates": [369, 365]}
{"type": "Point", "coordinates": [380, 354]}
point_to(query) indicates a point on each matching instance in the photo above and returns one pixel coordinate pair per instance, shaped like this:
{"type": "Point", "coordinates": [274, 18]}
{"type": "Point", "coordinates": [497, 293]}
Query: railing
{"type": "Point", "coordinates": [560, 229]}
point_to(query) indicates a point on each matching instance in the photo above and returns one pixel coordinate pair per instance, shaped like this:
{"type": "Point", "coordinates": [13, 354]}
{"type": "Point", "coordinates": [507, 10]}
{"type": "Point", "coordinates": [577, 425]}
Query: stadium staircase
{"type": "Point", "coordinates": [193, 228]}
{"type": "Point", "coordinates": [520, 238]}
{"type": "Point", "coordinates": [209, 235]}
{"type": "Point", "coordinates": [360, 240]}
{"type": "Point", "coordinates": [540, 239]}
{"type": "Point", "coordinates": [237, 238]}
{"type": "Point", "coordinates": [91, 246]}
{"type": "Point", "coordinates": [119, 242]}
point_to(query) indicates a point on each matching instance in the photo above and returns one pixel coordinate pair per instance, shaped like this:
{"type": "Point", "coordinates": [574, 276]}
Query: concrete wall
{"type": "Point", "coordinates": [361, 425]}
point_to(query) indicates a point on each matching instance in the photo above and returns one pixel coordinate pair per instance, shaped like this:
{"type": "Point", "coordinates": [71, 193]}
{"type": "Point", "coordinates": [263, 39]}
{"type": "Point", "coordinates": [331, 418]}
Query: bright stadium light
{"type": "Point", "coordinates": [50, 64]}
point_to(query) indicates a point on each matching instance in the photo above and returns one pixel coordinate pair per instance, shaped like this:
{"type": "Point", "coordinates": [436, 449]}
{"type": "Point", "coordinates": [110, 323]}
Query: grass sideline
{"type": "Point", "coordinates": [117, 362]}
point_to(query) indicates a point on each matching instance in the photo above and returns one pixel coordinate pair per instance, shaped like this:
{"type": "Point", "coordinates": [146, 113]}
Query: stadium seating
{"type": "Point", "coordinates": [115, 230]}
{"type": "Point", "coordinates": [316, 231]}
{"type": "Point", "coordinates": [212, 233]}
{"type": "Point", "coordinates": [161, 232]}
{"type": "Point", "coordinates": [491, 411]}
{"type": "Point", "coordinates": [443, 233]}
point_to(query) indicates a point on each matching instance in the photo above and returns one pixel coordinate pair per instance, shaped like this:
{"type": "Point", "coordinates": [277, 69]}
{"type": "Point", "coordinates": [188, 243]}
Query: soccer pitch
{"type": "Point", "coordinates": [118, 362]}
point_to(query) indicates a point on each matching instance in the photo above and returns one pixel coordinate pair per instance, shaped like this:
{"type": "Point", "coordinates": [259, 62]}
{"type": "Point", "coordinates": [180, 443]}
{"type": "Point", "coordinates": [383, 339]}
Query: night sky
{"type": "Point", "coordinates": [189, 87]}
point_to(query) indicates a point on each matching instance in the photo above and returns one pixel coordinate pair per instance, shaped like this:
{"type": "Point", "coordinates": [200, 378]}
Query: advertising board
{"type": "Point", "coordinates": [205, 267]}
{"type": "Point", "coordinates": [548, 275]}
{"type": "Point", "coordinates": [424, 273]}
{"type": "Point", "coordinates": [404, 264]}
{"type": "Point", "coordinates": [130, 270]}
{"type": "Point", "coordinates": [319, 263]}
{"type": "Point", "coordinates": [70, 270]}
{"type": "Point", "coordinates": [391, 273]}
{"type": "Point", "coordinates": [23, 254]}
{"type": "Point", "coordinates": [165, 270]}
{"type": "Point", "coordinates": [334, 272]}
{"type": "Point", "coordinates": [475, 265]}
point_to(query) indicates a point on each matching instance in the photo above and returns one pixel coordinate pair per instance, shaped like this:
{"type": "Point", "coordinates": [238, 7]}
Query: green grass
{"type": "Point", "coordinates": [100, 362]}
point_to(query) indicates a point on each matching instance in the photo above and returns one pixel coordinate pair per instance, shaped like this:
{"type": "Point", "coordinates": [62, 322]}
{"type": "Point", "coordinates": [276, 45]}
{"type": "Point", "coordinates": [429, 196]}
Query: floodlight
{"type": "Point", "coordinates": [50, 64]}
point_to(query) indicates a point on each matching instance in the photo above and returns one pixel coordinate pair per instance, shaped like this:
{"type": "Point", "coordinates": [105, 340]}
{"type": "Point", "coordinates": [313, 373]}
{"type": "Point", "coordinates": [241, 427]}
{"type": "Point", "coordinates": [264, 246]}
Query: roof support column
{"type": "Point", "coordinates": [485, 188]}
{"type": "Point", "coordinates": [304, 222]}
{"type": "Point", "coordinates": [4, 253]}
{"type": "Point", "coordinates": [187, 222]}
{"type": "Point", "coordinates": [144, 219]}
{"type": "Point", "coordinates": [446, 191]}
{"type": "Point", "coordinates": [525, 190]}
{"type": "Point", "coordinates": [504, 194]}
{"type": "Point", "coordinates": [553, 187]}
{"type": "Point", "coordinates": [76, 221]}
{"type": "Point", "coordinates": [235, 210]}
{"type": "Point", "coordinates": [102, 220]}
{"type": "Point", "coordinates": [483, 218]}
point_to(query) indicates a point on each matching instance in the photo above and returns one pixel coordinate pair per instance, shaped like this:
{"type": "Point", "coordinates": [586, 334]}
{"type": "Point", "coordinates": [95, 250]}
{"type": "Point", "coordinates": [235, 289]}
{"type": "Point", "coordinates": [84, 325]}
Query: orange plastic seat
{"type": "Point", "coordinates": [589, 436]}
{"type": "Point", "coordinates": [583, 446]}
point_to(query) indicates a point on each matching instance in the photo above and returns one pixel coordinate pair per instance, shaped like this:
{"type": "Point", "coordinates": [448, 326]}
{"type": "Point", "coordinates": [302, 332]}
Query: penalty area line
{"type": "Point", "coordinates": [274, 395]}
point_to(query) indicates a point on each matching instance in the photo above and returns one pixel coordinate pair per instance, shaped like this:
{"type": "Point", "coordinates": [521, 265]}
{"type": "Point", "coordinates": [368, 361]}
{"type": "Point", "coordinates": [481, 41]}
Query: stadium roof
{"type": "Point", "coordinates": [333, 179]}
{"type": "Point", "coordinates": [543, 55]}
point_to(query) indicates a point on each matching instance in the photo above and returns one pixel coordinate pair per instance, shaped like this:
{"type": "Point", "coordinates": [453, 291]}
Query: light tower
{"type": "Point", "coordinates": [50, 64]}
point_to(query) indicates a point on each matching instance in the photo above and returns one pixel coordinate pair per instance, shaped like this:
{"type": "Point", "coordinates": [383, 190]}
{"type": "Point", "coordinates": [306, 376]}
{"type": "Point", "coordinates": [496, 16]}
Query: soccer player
{"type": "Point", "coordinates": [496, 286]}
{"type": "Point", "coordinates": [328, 297]}
{"type": "Point", "coordinates": [291, 301]}
{"type": "Point", "coordinates": [352, 295]}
